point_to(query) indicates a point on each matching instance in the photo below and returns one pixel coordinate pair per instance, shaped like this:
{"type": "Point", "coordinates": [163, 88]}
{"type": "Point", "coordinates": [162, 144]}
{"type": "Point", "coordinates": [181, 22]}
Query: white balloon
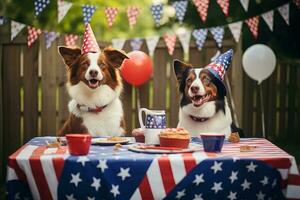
{"type": "Point", "coordinates": [259, 62]}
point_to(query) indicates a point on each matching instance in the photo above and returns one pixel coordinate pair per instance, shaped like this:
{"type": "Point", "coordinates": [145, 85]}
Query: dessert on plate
{"type": "Point", "coordinates": [174, 137]}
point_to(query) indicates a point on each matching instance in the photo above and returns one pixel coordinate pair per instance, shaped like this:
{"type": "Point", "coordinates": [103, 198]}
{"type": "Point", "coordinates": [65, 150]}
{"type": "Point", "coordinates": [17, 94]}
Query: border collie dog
{"type": "Point", "coordinates": [203, 103]}
{"type": "Point", "coordinates": [94, 84]}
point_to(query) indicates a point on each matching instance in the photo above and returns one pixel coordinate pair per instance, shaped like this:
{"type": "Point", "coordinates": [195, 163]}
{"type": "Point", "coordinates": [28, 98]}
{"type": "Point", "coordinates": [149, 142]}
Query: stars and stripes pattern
{"type": "Point", "coordinates": [156, 11]}
{"type": "Point", "coordinates": [285, 12]}
{"type": "Point", "coordinates": [88, 12]}
{"type": "Point", "coordinates": [111, 13]}
{"type": "Point", "coordinates": [245, 4]}
{"type": "Point", "coordinates": [224, 4]}
{"type": "Point", "coordinates": [62, 8]}
{"type": "Point", "coordinates": [218, 34]}
{"type": "Point", "coordinates": [180, 9]}
{"type": "Point", "coordinates": [33, 34]}
{"type": "Point", "coordinates": [136, 44]}
{"type": "Point", "coordinates": [132, 14]}
{"type": "Point", "coordinates": [89, 44]}
{"type": "Point", "coordinates": [106, 174]}
{"type": "Point", "coordinates": [269, 19]}
{"type": "Point", "coordinates": [200, 37]}
{"type": "Point", "coordinates": [253, 25]}
{"type": "Point", "coordinates": [202, 7]}
{"type": "Point", "coordinates": [70, 39]}
{"type": "Point", "coordinates": [15, 28]}
{"type": "Point", "coordinates": [39, 6]}
{"type": "Point", "coordinates": [170, 40]}
{"type": "Point", "coordinates": [49, 38]}
{"type": "Point", "coordinates": [236, 29]}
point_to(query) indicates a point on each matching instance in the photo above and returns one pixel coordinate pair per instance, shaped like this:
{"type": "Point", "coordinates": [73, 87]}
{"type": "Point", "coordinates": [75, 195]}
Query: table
{"type": "Point", "coordinates": [37, 172]}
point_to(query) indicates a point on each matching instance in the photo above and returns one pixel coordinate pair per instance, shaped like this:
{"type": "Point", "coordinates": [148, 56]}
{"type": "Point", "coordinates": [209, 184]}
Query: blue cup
{"type": "Point", "coordinates": [212, 142]}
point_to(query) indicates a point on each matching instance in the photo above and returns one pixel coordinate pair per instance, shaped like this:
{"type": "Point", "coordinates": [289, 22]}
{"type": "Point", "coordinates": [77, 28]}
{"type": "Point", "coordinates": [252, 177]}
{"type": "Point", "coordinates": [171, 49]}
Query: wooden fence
{"type": "Point", "coordinates": [34, 99]}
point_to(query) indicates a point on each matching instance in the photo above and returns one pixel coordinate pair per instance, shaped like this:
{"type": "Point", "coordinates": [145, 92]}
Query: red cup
{"type": "Point", "coordinates": [79, 144]}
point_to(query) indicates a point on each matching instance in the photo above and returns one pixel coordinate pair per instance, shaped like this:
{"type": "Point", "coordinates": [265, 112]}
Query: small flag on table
{"type": "Point", "coordinates": [118, 43]}
{"type": "Point", "coordinates": [236, 29]}
{"type": "Point", "coordinates": [170, 40]}
{"type": "Point", "coordinates": [62, 8]}
{"type": "Point", "coordinates": [202, 7]}
{"type": "Point", "coordinates": [180, 9]}
{"type": "Point", "coordinates": [269, 18]}
{"type": "Point", "coordinates": [70, 39]}
{"type": "Point", "coordinates": [200, 37]}
{"type": "Point", "coordinates": [151, 44]}
{"type": "Point", "coordinates": [245, 4]}
{"type": "Point", "coordinates": [111, 14]}
{"type": "Point", "coordinates": [285, 12]}
{"type": "Point", "coordinates": [253, 25]}
{"type": "Point", "coordinates": [33, 34]}
{"type": "Point", "coordinates": [156, 10]}
{"type": "Point", "coordinates": [88, 12]}
{"type": "Point", "coordinates": [49, 38]}
{"type": "Point", "coordinates": [40, 5]}
{"type": "Point", "coordinates": [132, 13]}
{"type": "Point", "coordinates": [15, 28]}
{"type": "Point", "coordinates": [224, 4]}
{"type": "Point", "coordinates": [218, 34]}
{"type": "Point", "coordinates": [136, 44]}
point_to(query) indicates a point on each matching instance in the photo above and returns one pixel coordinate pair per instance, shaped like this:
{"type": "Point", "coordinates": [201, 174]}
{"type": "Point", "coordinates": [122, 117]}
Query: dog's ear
{"type": "Point", "coordinates": [114, 57]}
{"type": "Point", "coordinates": [179, 69]}
{"type": "Point", "coordinates": [69, 55]}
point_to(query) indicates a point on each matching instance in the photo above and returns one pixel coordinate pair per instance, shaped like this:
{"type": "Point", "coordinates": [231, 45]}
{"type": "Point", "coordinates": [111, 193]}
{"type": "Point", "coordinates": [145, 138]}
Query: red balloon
{"type": "Point", "coordinates": [137, 69]}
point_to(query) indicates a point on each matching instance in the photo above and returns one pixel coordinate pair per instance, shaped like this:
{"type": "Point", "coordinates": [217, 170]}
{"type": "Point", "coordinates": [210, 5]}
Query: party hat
{"type": "Point", "coordinates": [90, 44]}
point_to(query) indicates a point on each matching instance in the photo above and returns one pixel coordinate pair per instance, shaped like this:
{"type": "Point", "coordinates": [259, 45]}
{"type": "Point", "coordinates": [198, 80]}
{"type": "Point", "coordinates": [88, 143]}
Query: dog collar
{"type": "Point", "coordinates": [89, 109]}
{"type": "Point", "coordinates": [199, 119]}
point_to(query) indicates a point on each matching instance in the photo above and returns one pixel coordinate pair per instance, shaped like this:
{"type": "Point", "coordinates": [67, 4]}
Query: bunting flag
{"type": "Point", "coordinates": [269, 19]}
{"type": "Point", "coordinates": [200, 37]}
{"type": "Point", "coordinates": [15, 28]}
{"type": "Point", "coordinates": [88, 12]}
{"type": "Point", "coordinates": [118, 43]}
{"type": "Point", "coordinates": [2, 20]}
{"type": "Point", "coordinates": [253, 25]}
{"type": "Point", "coordinates": [40, 5]}
{"type": "Point", "coordinates": [285, 12]}
{"type": "Point", "coordinates": [297, 3]}
{"type": "Point", "coordinates": [202, 7]}
{"type": "Point", "coordinates": [236, 29]}
{"type": "Point", "coordinates": [62, 8]}
{"type": "Point", "coordinates": [180, 9]}
{"type": "Point", "coordinates": [136, 44]}
{"type": "Point", "coordinates": [132, 13]}
{"type": "Point", "coordinates": [156, 11]}
{"type": "Point", "coordinates": [49, 38]}
{"type": "Point", "coordinates": [185, 38]}
{"type": "Point", "coordinates": [111, 14]}
{"type": "Point", "coordinates": [70, 40]}
{"type": "Point", "coordinates": [218, 34]}
{"type": "Point", "coordinates": [245, 4]}
{"type": "Point", "coordinates": [33, 34]}
{"type": "Point", "coordinates": [170, 40]}
{"type": "Point", "coordinates": [151, 44]}
{"type": "Point", "coordinates": [224, 4]}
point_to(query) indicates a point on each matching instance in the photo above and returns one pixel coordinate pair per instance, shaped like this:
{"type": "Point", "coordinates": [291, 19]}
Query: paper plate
{"type": "Point", "coordinates": [142, 149]}
{"type": "Point", "coordinates": [109, 142]}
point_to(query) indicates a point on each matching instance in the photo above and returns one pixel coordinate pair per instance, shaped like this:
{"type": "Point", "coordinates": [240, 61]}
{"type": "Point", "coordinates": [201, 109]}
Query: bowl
{"type": "Point", "coordinates": [79, 144]}
{"type": "Point", "coordinates": [174, 142]}
{"type": "Point", "coordinates": [212, 142]}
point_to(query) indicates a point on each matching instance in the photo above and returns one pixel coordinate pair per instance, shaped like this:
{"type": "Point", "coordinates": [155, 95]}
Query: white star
{"type": "Point", "coordinates": [232, 195]}
{"type": "Point", "coordinates": [251, 167]}
{"type": "Point", "coordinates": [96, 183]}
{"type": "Point", "coordinates": [233, 176]}
{"type": "Point", "coordinates": [82, 160]}
{"type": "Point", "coordinates": [70, 197]}
{"type": "Point", "coordinates": [217, 187]}
{"type": "Point", "coordinates": [75, 179]}
{"type": "Point", "coordinates": [274, 183]}
{"type": "Point", "coordinates": [265, 181]}
{"type": "Point", "coordinates": [246, 185]}
{"type": "Point", "coordinates": [198, 197]}
{"type": "Point", "coordinates": [91, 198]}
{"type": "Point", "coordinates": [217, 167]}
{"type": "Point", "coordinates": [260, 196]}
{"type": "Point", "coordinates": [180, 194]}
{"type": "Point", "coordinates": [198, 179]}
{"type": "Point", "coordinates": [115, 190]}
{"type": "Point", "coordinates": [102, 165]}
{"type": "Point", "coordinates": [124, 173]}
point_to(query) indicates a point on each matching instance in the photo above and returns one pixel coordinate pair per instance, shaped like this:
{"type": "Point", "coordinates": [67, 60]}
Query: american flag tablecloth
{"type": "Point", "coordinates": [37, 172]}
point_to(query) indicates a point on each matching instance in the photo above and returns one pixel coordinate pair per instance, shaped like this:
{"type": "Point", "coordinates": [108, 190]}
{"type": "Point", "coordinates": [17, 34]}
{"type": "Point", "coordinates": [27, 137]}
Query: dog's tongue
{"type": "Point", "coordinates": [93, 83]}
{"type": "Point", "coordinates": [202, 100]}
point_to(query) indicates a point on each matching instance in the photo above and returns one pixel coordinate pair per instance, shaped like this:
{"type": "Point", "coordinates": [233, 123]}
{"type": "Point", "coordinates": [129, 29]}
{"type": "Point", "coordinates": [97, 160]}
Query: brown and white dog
{"type": "Point", "coordinates": [95, 85]}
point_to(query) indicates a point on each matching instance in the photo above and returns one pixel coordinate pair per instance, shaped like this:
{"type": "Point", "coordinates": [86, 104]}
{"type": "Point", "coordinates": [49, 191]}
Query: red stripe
{"type": "Point", "coordinates": [294, 179]}
{"type": "Point", "coordinates": [279, 163]}
{"type": "Point", "coordinates": [145, 189]}
{"type": "Point", "coordinates": [58, 162]}
{"type": "Point", "coordinates": [189, 161]}
{"type": "Point", "coordinates": [166, 172]}
{"type": "Point", "coordinates": [38, 173]}
{"type": "Point", "coordinates": [12, 162]}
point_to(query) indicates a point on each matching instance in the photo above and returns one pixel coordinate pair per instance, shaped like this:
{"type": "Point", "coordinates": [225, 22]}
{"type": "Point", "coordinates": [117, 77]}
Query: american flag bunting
{"type": "Point", "coordinates": [156, 11]}
{"type": "Point", "coordinates": [184, 39]}
{"type": "Point", "coordinates": [245, 4]}
{"type": "Point", "coordinates": [218, 34]}
{"type": "Point", "coordinates": [285, 12]}
{"type": "Point", "coordinates": [40, 5]}
{"type": "Point", "coordinates": [62, 8]}
{"type": "Point", "coordinates": [33, 34]}
{"type": "Point", "coordinates": [269, 19]}
{"type": "Point", "coordinates": [88, 12]}
{"type": "Point", "coordinates": [136, 44]}
{"type": "Point", "coordinates": [200, 37]}
{"type": "Point", "coordinates": [253, 25]}
{"type": "Point", "coordinates": [132, 14]}
{"type": "Point", "coordinates": [49, 38]}
{"type": "Point", "coordinates": [236, 29]}
{"type": "Point", "coordinates": [15, 28]}
{"type": "Point", "coordinates": [111, 14]}
{"type": "Point", "coordinates": [151, 43]}
{"type": "Point", "coordinates": [170, 40]}
{"type": "Point", "coordinates": [70, 39]}
{"type": "Point", "coordinates": [224, 4]}
{"type": "Point", "coordinates": [180, 9]}
{"type": "Point", "coordinates": [118, 43]}
{"type": "Point", "coordinates": [202, 7]}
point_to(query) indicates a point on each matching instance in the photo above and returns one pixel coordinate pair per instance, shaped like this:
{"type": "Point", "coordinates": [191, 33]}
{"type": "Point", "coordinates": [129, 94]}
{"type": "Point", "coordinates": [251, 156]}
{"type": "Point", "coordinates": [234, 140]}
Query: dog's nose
{"type": "Point", "coordinates": [93, 73]}
{"type": "Point", "coordinates": [195, 89]}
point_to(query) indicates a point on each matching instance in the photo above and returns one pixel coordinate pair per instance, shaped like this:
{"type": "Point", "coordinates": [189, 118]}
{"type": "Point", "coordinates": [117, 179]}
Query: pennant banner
{"type": "Point", "coordinates": [40, 5]}
{"type": "Point", "coordinates": [33, 34]}
{"type": "Point", "coordinates": [236, 29]}
{"type": "Point", "coordinates": [184, 39]}
{"type": "Point", "coordinates": [200, 37]}
{"type": "Point", "coordinates": [253, 25]}
{"type": "Point", "coordinates": [170, 41]}
{"type": "Point", "coordinates": [151, 44]}
{"type": "Point", "coordinates": [245, 4]}
{"type": "Point", "coordinates": [156, 11]}
{"type": "Point", "coordinates": [224, 4]}
{"type": "Point", "coordinates": [49, 38]}
{"type": "Point", "coordinates": [136, 44]}
{"type": "Point", "coordinates": [297, 3]}
{"type": "Point", "coordinates": [88, 12]}
{"type": "Point", "coordinates": [218, 34]}
{"type": "Point", "coordinates": [118, 43]}
{"type": "Point", "coordinates": [132, 13]}
{"type": "Point", "coordinates": [269, 19]}
{"type": "Point", "coordinates": [180, 9]}
{"type": "Point", "coordinates": [202, 7]}
{"type": "Point", "coordinates": [111, 14]}
{"type": "Point", "coordinates": [70, 40]}
{"type": "Point", "coordinates": [285, 12]}
{"type": "Point", "coordinates": [15, 28]}
{"type": "Point", "coordinates": [62, 8]}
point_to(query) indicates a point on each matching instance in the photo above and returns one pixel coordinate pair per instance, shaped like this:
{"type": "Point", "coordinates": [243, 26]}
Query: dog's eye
{"type": "Point", "coordinates": [84, 65]}
{"type": "Point", "coordinates": [206, 80]}
{"type": "Point", "coordinates": [189, 80]}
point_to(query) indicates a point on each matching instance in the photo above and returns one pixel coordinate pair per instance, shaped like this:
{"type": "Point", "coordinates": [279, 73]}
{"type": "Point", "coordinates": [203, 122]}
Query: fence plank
{"type": "Point", "coordinates": [49, 57]}
{"type": "Point", "coordinates": [194, 57]}
{"type": "Point", "coordinates": [30, 78]}
{"type": "Point", "coordinates": [1, 118]}
{"type": "Point", "coordinates": [282, 97]}
{"type": "Point", "coordinates": [270, 100]}
{"type": "Point", "coordinates": [248, 106]}
{"type": "Point", "coordinates": [291, 101]}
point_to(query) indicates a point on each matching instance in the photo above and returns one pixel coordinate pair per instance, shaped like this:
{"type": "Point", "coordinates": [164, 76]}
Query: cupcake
{"type": "Point", "coordinates": [174, 137]}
